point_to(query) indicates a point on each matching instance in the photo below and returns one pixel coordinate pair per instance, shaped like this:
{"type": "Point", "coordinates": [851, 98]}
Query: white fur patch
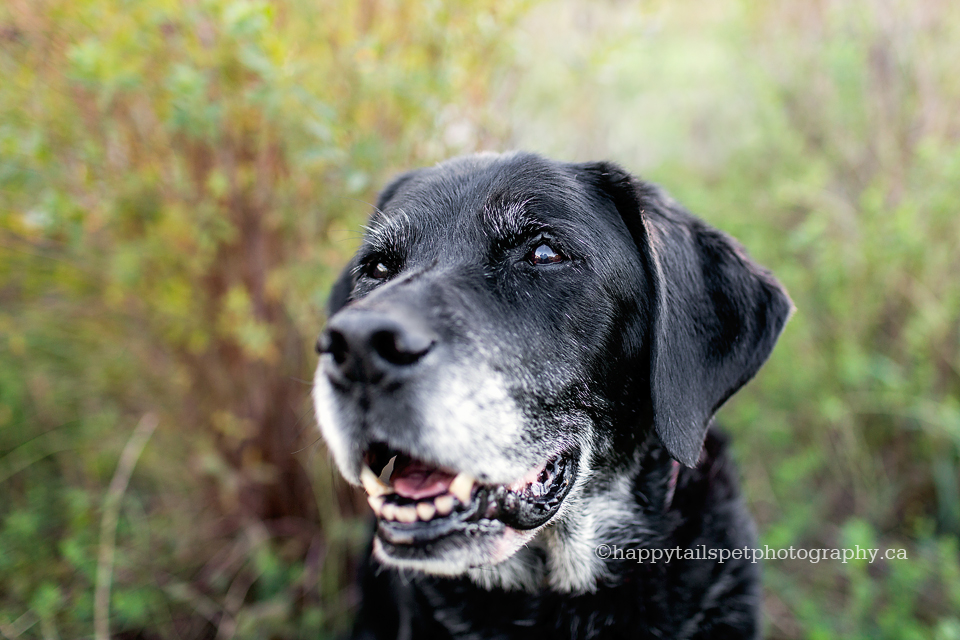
{"type": "Point", "coordinates": [327, 411]}
{"type": "Point", "coordinates": [470, 417]}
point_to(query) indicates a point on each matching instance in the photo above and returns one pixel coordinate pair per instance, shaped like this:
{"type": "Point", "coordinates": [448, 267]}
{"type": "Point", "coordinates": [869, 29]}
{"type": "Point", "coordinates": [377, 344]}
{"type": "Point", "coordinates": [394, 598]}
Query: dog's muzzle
{"type": "Point", "coordinates": [369, 352]}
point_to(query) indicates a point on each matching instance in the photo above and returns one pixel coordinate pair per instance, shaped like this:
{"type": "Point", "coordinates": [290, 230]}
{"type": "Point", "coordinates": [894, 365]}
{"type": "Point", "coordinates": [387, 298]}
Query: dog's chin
{"type": "Point", "coordinates": [437, 521]}
{"type": "Point", "coordinates": [482, 544]}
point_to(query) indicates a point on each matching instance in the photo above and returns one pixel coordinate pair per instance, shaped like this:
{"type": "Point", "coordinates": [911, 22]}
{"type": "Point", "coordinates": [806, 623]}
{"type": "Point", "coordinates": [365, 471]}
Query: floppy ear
{"type": "Point", "coordinates": [343, 287]}
{"type": "Point", "coordinates": [715, 314]}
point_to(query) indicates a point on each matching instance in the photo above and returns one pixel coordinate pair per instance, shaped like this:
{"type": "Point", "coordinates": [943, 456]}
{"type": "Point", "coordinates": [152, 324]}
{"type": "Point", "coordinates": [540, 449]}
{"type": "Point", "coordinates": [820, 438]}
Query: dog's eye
{"type": "Point", "coordinates": [544, 254]}
{"type": "Point", "coordinates": [378, 270]}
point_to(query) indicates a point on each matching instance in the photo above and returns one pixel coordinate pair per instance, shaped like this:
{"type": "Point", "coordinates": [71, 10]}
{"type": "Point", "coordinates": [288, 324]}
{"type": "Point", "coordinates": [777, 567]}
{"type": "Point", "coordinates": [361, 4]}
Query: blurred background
{"type": "Point", "coordinates": [180, 181]}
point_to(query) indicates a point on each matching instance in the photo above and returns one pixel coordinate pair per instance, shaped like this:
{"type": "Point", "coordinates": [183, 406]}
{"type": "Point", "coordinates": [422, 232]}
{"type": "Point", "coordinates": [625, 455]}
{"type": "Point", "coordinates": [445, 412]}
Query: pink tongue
{"type": "Point", "coordinates": [415, 480]}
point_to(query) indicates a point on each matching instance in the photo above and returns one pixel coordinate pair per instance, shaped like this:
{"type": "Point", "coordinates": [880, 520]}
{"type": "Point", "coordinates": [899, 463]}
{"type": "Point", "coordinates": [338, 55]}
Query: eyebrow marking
{"type": "Point", "coordinates": [511, 220]}
{"type": "Point", "coordinates": [388, 234]}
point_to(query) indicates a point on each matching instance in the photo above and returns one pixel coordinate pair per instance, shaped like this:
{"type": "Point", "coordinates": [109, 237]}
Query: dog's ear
{"type": "Point", "coordinates": [715, 314]}
{"type": "Point", "coordinates": [343, 286]}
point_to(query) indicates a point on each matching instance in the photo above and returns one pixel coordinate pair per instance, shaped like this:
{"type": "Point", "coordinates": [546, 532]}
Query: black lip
{"type": "Point", "coordinates": [492, 508]}
{"type": "Point", "coordinates": [540, 501]}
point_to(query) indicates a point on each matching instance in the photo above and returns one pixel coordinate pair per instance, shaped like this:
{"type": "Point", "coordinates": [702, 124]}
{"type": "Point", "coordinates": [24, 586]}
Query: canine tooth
{"type": "Point", "coordinates": [373, 485]}
{"type": "Point", "coordinates": [389, 511]}
{"type": "Point", "coordinates": [388, 470]}
{"type": "Point", "coordinates": [376, 503]}
{"type": "Point", "coordinates": [462, 487]}
{"type": "Point", "coordinates": [426, 510]}
{"type": "Point", "coordinates": [407, 514]}
{"type": "Point", "coordinates": [444, 504]}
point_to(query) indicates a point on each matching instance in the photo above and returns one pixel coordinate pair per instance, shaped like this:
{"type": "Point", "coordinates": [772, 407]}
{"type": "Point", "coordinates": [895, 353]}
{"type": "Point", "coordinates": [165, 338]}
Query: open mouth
{"type": "Point", "coordinates": [418, 503]}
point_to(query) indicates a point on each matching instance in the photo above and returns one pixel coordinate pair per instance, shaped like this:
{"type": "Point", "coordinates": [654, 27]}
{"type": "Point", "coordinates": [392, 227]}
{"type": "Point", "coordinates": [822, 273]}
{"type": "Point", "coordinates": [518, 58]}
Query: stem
{"type": "Point", "coordinates": [108, 522]}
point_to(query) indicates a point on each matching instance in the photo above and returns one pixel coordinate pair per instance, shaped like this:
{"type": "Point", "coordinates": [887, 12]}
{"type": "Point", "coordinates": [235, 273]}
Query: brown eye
{"type": "Point", "coordinates": [544, 254]}
{"type": "Point", "coordinates": [378, 271]}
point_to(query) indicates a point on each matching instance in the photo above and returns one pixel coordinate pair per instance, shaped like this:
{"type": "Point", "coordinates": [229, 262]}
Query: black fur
{"type": "Point", "coordinates": [650, 323]}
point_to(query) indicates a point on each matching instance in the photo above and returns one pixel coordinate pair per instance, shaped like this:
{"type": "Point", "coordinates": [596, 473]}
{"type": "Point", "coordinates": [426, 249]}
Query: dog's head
{"type": "Point", "coordinates": [508, 333]}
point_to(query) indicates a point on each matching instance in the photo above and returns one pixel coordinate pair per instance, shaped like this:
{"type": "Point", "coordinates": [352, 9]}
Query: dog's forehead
{"type": "Point", "coordinates": [487, 196]}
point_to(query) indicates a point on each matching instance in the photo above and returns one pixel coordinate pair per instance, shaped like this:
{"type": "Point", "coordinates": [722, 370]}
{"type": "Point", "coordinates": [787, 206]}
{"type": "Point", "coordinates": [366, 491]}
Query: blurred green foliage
{"type": "Point", "coordinates": [181, 181]}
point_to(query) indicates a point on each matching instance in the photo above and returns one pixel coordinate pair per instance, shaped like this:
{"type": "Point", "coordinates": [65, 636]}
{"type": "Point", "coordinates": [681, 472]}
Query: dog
{"type": "Point", "coordinates": [521, 367]}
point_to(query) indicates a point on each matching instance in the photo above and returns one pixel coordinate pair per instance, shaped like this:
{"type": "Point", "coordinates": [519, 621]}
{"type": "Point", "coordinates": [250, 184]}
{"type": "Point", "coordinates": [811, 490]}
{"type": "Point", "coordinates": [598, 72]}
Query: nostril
{"type": "Point", "coordinates": [337, 346]}
{"type": "Point", "coordinates": [401, 348]}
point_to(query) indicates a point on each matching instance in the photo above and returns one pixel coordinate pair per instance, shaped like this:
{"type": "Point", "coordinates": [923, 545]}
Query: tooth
{"type": "Point", "coordinates": [389, 511]}
{"type": "Point", "coordinates": [407, 513]}
{"type": "Point", "coordinates": [462, 487]}
{"type": "Point", "coordinates": [388, 470]}
{"type": "Point", "coordinates": [376, 503]}
{"type": "Point", "coordinates": [373, 485]}
{"type": "Point", "coordinates": [444, 504]}
{"type": "Point", "coordinates": [426, 510]}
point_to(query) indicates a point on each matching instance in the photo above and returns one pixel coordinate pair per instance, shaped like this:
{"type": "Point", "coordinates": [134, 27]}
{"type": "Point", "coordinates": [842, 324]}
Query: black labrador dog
{"type": "Point", "coordinates": [521, 368]}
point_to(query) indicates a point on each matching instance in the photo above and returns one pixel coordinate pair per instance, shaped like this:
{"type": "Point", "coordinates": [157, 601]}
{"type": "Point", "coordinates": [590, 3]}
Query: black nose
{"type": "Point", "coordinates": [366, 345]}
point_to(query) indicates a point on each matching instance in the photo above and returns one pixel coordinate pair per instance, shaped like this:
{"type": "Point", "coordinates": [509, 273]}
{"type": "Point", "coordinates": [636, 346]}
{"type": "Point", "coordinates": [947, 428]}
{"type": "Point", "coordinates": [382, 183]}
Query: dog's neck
{"type": "Point", "coordinates": [564, 555]}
